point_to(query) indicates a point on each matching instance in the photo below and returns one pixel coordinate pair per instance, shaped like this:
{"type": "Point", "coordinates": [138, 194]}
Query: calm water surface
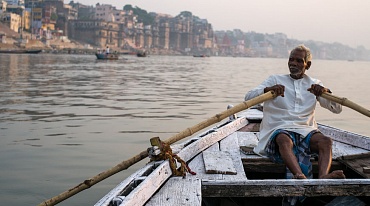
{"type": "Point", "coordinates": [65, 118]}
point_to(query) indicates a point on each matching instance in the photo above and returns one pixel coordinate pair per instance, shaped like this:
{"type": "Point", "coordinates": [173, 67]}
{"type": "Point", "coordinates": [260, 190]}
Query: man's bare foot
{"type": "Point", "coordinates": [337, 174]}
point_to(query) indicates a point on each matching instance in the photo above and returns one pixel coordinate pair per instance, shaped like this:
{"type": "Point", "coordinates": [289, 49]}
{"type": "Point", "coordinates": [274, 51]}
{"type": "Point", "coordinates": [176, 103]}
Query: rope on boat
{"type": "Point", "coordinates": [166, 153]}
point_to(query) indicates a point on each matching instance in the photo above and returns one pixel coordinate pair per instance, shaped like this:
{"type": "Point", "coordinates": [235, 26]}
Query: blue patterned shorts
{"type": "Point", "coordinates": [301, 150]}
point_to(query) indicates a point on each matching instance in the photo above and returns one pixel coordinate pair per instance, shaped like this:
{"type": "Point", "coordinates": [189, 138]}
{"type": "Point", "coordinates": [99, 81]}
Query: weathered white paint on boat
{"type": "Point", "coordinates": [231, 145]}
{"type": "Point", "coordinates": [147, 188]}
{"type": "Point", "coordinates": [218, 162]}
{"type": "Point", "coordinates": [131, 180]}
{"type": "Point", "coordinates": [197, 165]}
{"type": "Point", "coordinates": [346, 137]}
{"type": "Point", "coordinates": [179, 191]}
{"type": "Point", "coordinates": [175, 187]}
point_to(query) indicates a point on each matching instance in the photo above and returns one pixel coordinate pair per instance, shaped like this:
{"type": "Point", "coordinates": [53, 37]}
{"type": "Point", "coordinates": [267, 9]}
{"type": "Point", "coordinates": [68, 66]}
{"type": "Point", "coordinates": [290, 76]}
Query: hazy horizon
{"type": "Point", "coordinates": [327, 21]}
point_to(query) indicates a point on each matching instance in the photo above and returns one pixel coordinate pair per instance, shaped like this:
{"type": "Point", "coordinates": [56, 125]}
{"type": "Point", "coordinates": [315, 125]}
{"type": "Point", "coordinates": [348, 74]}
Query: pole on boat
{"type": "Point", "coordinates": [127, 163]}
{"type": "Point", "coordinates": [218, 117]}
{"type": "Point", "coordinates": [345, 102]}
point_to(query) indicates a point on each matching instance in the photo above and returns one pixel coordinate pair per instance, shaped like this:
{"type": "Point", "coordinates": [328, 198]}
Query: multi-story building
{"type": "Point", "coordinates": [83, 12]}
{"type": "Point", "coordinates": [105, 25]}
{"type": "Point", "coordinates": [164, 34]}
{"type": "Point", "coordinates": [32, 3]}
{"type": "Point", "coordinates": [26, 20]}
{"type": "Point", "coordinates": [104, 12]}
{"type": "Point", "coordinates": [13, 21]}
{"type": "Point", "coordinates": [148, 37]}
{"type": "Point", "coordinates": [96, 32]}
{"type": "Point", "coordinates": [63, 11]}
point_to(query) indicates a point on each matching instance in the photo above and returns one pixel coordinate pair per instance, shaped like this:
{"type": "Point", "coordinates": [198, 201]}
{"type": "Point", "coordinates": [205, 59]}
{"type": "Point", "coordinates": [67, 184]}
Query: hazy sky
{"type": "Point", "coordinates": [343, 21]}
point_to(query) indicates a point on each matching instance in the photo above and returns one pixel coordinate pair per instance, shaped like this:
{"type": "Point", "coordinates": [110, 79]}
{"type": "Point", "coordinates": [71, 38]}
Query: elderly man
{"type": "Point", "coordinates": [289, 132]}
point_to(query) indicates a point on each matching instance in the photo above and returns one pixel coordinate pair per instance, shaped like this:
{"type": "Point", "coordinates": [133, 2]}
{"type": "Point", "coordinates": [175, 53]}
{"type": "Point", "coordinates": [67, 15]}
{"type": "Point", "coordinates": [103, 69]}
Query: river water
{"type": "Point", "coordinates": [66, 118]}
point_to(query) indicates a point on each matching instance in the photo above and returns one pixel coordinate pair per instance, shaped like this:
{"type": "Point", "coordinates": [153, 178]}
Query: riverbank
{"type": "Point", "coordinates": [62, 46]}
{"type": "Point", "coordinates": [10, 40]}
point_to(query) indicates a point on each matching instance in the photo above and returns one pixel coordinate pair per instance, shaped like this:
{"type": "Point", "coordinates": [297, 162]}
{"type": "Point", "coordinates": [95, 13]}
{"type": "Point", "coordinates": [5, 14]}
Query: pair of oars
{"type": "Point", "coordinates": [185, 133]}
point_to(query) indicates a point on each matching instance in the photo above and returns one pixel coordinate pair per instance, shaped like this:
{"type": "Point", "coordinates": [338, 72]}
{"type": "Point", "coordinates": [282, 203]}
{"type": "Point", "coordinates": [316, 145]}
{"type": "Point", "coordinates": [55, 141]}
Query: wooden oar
{"type": "Point", "coordinates": [345, 102]}
{"type": "Point", "coordinates": [127, 163]}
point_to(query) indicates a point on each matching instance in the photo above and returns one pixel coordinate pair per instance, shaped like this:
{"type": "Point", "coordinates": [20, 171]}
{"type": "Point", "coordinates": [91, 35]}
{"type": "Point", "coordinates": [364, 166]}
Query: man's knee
{"type": "Point", "coordinates": [322, 141]}
{"type": "Point", "coordinates": [326, 141]}
{"type": "Point", "coordinates": [283, 140]}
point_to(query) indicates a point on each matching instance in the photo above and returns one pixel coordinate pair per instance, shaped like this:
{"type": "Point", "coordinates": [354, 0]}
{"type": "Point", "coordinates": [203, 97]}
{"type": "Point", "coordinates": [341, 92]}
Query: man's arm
{"type": "Point", "coordinates": [318, 90]}
{"type": "Point", "coordinates": [264, 87]}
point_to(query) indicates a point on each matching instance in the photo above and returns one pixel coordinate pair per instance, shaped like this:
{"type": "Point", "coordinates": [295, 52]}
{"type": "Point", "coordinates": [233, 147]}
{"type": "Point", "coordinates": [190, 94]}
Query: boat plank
{"type": "Point", "coordinates": [197, 165]}
{"type": "Point", "coordinates": [179, 191]}
{"type": "Point", "coordinates": [218, 162]}
{"type": "Point", "coordinates": [277, 188]}
{"type": "Point", "coordinates": [231, 145]}
{"type": "Point", "coordinates": [248, 139]}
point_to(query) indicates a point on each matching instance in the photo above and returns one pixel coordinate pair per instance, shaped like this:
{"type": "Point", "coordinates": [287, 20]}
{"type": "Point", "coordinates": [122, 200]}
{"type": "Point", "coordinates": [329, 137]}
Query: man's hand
{"type": "Point", "coordinates": [318, 89]}
{"type": "Point", "coordinates": [277, 89]}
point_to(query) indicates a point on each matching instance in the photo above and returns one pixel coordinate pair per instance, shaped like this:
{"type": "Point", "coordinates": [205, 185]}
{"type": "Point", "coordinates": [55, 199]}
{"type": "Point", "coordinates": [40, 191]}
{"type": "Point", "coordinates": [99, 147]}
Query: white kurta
{"type": "Point", "coordinates": [294, 112]}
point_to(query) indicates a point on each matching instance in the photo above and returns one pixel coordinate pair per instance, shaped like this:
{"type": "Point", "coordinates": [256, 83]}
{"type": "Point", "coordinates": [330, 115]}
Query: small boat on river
{"type": "Point", "coordinates": [227, 172]}
{"type": "Point", "coordinates": [200, 55]}
{"type": "Point", "coordinates": [104, 56]}
{"type": "Point", "coordinates": [21, 51]}
{"type": "Point", "coordinates": [142, 54]}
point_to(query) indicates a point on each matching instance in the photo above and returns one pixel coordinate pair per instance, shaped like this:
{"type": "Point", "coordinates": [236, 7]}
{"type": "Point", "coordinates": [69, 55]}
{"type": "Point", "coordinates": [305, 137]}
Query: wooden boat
{"type": "Point", "coordinates": [229, 173]}
{"type": "Point", "coordinates": [141, 54]}
{"type": "Point", "coordinates": [21, 51]}
{"type": "Point", "coordinates": [103, 56]}
{"type": "Point", "coordinates": [200, 55]}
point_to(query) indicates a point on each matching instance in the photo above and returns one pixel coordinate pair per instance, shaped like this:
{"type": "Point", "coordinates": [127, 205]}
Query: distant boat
{"type": "Point", "coordinates": [200, 55]}
{"type": "Point", "coordinates": [103, 56]}
{"type": "Point", "coordinates": [141, 54]}
{"type": "Point", "coordinates": [21, 51]}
